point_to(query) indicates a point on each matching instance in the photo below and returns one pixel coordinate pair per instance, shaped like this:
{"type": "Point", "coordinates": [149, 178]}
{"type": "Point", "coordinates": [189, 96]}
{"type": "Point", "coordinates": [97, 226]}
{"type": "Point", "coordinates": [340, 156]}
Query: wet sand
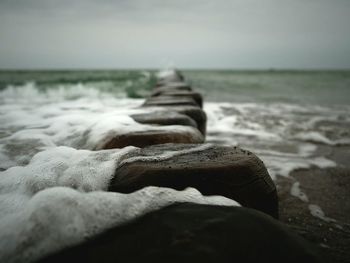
{"type": "Point", "coordinates": [330, 190]}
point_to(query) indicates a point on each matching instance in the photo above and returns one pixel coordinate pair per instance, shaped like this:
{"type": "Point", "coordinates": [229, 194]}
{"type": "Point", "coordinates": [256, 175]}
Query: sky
{"type": "Point", "coordinates": [227, 34]}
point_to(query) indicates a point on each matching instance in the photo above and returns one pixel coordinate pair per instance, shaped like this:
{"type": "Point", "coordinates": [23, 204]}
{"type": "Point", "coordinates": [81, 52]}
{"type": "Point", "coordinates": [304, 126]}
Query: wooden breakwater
{"type": "Point", "coordinates": [180, 159]}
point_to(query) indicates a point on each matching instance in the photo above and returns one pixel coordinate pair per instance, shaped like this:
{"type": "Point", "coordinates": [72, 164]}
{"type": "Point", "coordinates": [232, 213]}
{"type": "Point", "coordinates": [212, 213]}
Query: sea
{"type": "Point", "coordinates": [283, 116]}
{"type": "Point", "coordinates": [292, 119]}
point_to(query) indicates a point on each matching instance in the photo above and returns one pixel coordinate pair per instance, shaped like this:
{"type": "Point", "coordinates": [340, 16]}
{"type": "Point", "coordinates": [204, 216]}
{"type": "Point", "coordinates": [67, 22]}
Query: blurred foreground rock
{"type": "Point", "coordinates": [195, 233]}
{"type": "Point", "coordinates": [155, 136]}
{"type": "Point", "coordinates": [197, 97]}
{"type": "Point", "coordinates": [164, 118]}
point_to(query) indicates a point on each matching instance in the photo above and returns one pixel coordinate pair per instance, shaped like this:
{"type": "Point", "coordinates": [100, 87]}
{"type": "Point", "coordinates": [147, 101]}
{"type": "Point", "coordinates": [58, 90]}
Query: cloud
{"type": "Point", "coordinates": [197, 33]}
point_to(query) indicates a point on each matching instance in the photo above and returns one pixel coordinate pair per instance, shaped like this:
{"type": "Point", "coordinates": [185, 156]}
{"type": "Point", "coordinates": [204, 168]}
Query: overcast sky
{"type": "Point", "coordinates": [185, 34]}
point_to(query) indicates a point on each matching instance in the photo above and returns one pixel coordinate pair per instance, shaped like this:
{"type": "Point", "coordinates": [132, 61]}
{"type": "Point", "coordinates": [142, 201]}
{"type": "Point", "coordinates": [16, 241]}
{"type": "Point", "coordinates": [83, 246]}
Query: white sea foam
{"type": "Point", "coordinates": [322, 162]}
{"type": "Point", "coordinates": [168, 154]}
{"type": "Point", "coordinates": [318, 138]}
{"type": "Point", "coordinates": [40, 122]}
{"type": "Point", "coordinates": [219, 122]}
{"type": "Point", "coordinates": [314, 137]}
{"type": "Point", "coordinates": [316, 211]}
{"type": "Point", "coordinates": [283, 166]}
{"type": "Point", "coordinates": [168, 74]}
{"type": "Point", "coordinates": [296, 191]}
{"type": "Point", "coordinates": [285, 136]}
{"type": "Point", "coordinates": [306, 149]}
{"type": "Point", "coordinates": [57, 200]}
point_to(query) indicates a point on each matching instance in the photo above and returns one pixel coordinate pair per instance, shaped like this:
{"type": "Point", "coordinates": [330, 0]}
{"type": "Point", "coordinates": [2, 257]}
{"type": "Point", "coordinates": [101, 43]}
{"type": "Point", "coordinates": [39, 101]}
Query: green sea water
{"type": "Point", "coordinates": [304, 87]}
{"type": "Point", "coordinates": [300, 87]}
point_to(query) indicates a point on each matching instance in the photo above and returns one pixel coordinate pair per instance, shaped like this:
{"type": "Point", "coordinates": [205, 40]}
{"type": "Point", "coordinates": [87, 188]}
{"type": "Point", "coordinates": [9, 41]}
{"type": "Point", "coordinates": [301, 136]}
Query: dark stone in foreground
{"type": "Point", "coordinates": [195, 113]}
{"type": "Point", "coordinates": [172, 87]}
{"type": "Point", "coordinates": [170, 100]}
{"type": "Point", "coordinates": [152, 137]}
{"type": "Point", "coordinates": [214, 170]}
{"type": "Point", "coordinates": [194, 233]}
{"type": "Point", "coordinates": [164, 118]}
{"type": "Point", "coordinates": [197, 97]}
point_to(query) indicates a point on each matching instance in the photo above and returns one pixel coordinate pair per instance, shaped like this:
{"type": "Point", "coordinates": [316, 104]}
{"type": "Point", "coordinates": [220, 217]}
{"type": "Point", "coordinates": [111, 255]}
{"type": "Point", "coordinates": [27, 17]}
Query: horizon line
{"type": "Point", "coordinates": [179, 68]}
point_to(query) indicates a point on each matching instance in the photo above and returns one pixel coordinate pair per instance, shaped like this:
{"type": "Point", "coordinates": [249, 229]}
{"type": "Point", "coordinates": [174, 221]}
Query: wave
{"type": "Point", "coordinates": [30, 91]}
{"type": "Point", "coordinates": [287, 137]}
{"type": "Point", "coordinates": [137, 87]}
